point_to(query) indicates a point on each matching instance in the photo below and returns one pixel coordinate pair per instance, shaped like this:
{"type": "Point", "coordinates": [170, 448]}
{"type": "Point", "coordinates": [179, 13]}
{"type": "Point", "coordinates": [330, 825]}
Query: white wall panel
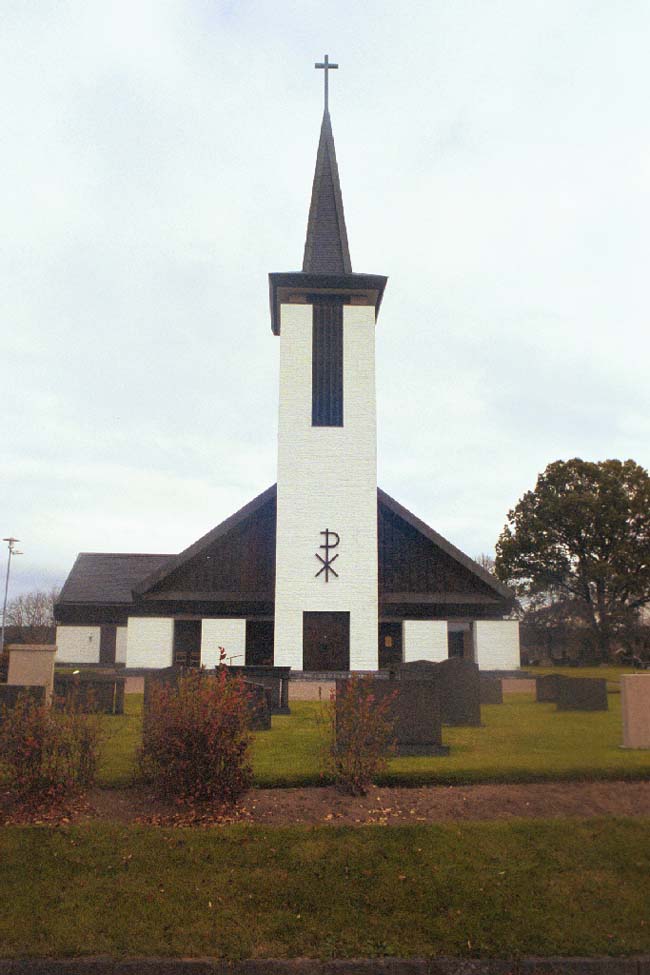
{"type": "Point", "coordinates": [77, 644]}
{"type": "Point", "coordinates": [227, 633]}
{"type": "Point", "coordinates": [496, 644]}
{"type": "Point", "coordinates": [425, 640]}
{"type": "Point", "coordinates": [149, 641]}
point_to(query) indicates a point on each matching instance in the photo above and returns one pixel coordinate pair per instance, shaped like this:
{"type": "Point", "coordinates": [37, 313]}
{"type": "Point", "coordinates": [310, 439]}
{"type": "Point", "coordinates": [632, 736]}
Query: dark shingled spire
{"type": "Point", "coordinates": [326, 246]}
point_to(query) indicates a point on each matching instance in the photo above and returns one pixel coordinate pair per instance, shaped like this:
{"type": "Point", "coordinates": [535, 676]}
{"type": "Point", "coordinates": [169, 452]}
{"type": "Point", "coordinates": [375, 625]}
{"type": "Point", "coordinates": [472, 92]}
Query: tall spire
{"type": "Point", "coordinates": [326, 245]}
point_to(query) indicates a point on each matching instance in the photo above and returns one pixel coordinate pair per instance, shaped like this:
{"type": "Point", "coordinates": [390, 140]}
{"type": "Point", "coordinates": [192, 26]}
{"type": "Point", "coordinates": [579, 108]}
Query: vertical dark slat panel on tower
{"type": "Point", "coordinates": [327, 364]}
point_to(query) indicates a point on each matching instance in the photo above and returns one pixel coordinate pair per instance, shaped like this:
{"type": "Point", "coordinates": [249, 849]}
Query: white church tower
{"type": "Point", "coordinates": [326, 572]}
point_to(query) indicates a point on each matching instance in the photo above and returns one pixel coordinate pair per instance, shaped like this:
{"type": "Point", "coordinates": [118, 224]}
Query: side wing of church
{"type": "Point", "coordinates": [323, 571]}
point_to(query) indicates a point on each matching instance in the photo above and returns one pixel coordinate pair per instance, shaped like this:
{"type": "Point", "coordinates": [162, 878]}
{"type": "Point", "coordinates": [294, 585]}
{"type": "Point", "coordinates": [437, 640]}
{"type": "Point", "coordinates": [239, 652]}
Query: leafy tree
{"type": "Point", "coordinates": [583, 537]}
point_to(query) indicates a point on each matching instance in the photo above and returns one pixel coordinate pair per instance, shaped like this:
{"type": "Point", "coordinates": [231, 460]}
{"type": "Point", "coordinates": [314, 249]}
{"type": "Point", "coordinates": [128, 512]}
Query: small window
{"type": "Point", "coordinates": [327, 365]}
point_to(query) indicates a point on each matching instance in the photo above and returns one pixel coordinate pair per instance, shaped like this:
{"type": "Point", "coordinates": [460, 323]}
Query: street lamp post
{"type": "Point", "coordinates": [11, 542]}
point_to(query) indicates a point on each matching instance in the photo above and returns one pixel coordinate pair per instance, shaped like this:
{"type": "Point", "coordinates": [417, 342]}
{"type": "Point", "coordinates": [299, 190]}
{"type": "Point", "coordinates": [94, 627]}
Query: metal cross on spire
{"type": "Point", "coordinates": [325, 64]}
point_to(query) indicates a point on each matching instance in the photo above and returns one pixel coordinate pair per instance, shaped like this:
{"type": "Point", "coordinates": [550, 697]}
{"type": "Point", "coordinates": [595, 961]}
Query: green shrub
{"type": "Point", "coordinates": [49, 755]}
{"type": "Point", "coordinates": [361, 738]}
{"type": "Point", "coordinates": [195, 742]}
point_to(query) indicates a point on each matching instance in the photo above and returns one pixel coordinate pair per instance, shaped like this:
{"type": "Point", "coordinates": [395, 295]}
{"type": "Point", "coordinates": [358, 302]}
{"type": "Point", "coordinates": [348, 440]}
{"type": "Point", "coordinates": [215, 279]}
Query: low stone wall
{"type": "Point", "coordinates": [310, 690]}
{"type": "Point", "coordinates": [518, 685]}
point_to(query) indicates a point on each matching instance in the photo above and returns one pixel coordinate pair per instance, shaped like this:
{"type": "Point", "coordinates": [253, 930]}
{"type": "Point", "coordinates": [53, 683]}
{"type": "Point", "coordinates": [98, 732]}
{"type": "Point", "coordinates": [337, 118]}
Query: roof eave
{"type": "Point", "coordinates": [296, 287]}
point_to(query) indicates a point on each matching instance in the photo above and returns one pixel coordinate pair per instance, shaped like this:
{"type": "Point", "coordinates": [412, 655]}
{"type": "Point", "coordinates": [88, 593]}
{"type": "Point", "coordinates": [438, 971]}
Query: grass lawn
{"type": "Point", "coordinates": [521, 741]}
{"type": "Point", "coordinates": [570, 887]}
{"type": "Point", "coordinates": [609, 672]}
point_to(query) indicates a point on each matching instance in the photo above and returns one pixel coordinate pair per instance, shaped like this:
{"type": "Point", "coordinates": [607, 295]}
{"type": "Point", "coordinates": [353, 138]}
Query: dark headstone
{"type": "Point", "coordinates": [415, 711]}
{"type": "Point", "coordinates": [103, 693]}
{"type": "Point", "coordinates": [582, 694]}
{"type": "Point", "coordinates": [491, 690]}
{"type": "Point", "coordinates": [459, 687]}
{"type": "Point", "coordinates": [547, 687]}
{"type": "Point", "coordinates": [275, 678]}
{"type": "Point", "coordinates": [261, 697]}
{"type": "Point", "coordinates": [9, 694]}
{"type": "Point", "coordinates": [258, 705]}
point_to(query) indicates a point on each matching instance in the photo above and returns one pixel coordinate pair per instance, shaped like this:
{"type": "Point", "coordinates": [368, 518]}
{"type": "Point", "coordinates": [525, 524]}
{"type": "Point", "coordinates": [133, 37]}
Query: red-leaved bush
{"type": "Point", "coordinates": [48, 754]}
{"type": "Point", "coordinates": [361, 737]}
{"type": "Point", "coordinates": [195, 739]}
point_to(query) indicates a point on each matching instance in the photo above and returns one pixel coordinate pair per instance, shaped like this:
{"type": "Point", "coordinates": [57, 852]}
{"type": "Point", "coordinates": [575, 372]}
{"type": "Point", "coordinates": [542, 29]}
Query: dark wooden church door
{"type": "Point", "coordinates": [326, 641]}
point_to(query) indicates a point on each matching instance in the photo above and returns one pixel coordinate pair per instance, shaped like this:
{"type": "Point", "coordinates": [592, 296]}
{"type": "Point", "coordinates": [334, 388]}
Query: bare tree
{"type": "Point", "coordinates": [33, 612]}
{"type": "Point", "coordinates": [485, 561]}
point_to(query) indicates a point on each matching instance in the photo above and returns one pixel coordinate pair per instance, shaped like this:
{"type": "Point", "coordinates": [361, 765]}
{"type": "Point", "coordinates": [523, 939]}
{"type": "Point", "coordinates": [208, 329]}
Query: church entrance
{"type": "Point", "coordinates": [325, 641]}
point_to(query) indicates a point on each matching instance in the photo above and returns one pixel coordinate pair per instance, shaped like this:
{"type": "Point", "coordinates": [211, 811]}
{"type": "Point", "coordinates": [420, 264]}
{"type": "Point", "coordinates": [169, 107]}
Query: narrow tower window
{"type": "Point", "coordinates": [327, 364]}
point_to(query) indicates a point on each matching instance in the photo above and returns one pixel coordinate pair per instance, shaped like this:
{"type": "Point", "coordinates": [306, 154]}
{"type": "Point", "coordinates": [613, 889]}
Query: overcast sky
{"type": "Point", "coordinates": [157, 160]}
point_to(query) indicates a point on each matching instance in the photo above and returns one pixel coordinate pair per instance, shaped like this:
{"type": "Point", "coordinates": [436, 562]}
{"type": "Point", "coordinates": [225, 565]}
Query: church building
{"type": "Point", "coordinates": [322, 571]}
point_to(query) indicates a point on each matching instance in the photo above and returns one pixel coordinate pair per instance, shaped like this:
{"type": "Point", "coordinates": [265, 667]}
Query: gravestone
{"type": "Point", "coordinates": [32, 665]}
{"type": "Point", "coordinates": [103, 693]}
{"type": "Point", "coordinates": [491, 689]}
{"type": "Point", "coordinates": [258, 706]}
{"type": "Point", "coordinates": [635, 704]}
{"type": "Point", "coordinates": [547, 687]}
{"type": "Point", "coordinates": [415, 712]}
{"type": "Point", "coordinates": [582, 694]}
{"type": "Point", "coordinates": [275, 678]}
{"type": "Point", "coordinates": [260, 697]}
{"type": "Point", "coordinates": [458, 683]}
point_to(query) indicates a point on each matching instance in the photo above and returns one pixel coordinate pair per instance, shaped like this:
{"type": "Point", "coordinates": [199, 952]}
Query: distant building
{"type": "Point", "coordinates": [322, 571]}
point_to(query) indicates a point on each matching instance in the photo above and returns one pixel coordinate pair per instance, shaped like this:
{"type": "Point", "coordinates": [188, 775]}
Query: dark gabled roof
{"type": "Point", "coordinates": [443, 544]}
{"type": "Point", "coordinates": [147, 583]}
{"type": "Point", "coordinates": [103, 577]}
{"type": "Point", "coordinates": [113, 578]}
{"type": "Point", "coordinates": [326, 245]}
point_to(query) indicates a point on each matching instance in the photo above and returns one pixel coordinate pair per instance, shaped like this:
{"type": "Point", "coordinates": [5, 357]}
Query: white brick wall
{"type": "Point", "coordinates": [496, 644]}
{"type": "Point", "coordinates": [425, 640]}
{"type": "Point", "coordinates": [149, 641]}
{"type": "Point", "coordinates": [327, 478]}
{"type": "Point", "coordinates": [227, 633]}
{"type": "Point", "coordinates": [77, 644]}
{"type": "Point", "coordinates": [120, 645]}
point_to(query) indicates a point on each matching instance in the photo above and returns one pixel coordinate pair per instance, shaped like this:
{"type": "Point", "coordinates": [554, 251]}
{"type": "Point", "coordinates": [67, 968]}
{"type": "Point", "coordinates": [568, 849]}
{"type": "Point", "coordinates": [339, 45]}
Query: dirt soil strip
{"type": "Point", "coordinates": [389, 806]}
{"type": "Point", "coordinates": [309, 966]}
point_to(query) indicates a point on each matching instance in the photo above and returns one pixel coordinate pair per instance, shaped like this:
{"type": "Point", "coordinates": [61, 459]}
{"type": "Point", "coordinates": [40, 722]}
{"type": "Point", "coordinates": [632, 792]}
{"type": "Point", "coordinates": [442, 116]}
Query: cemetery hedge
{"type": "Point", "coordinates": [522, 741]}
{"type": "Point", "coordinates": [500, 889]}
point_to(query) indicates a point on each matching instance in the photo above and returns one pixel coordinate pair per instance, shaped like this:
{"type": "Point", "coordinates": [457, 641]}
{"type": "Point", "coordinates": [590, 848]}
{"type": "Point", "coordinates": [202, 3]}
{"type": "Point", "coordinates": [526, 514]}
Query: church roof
{"type": "Point", "coordinates": [235, 562]}
{"type": "Point", "coordinates": [206, 541]}
{"type": "Point", "coordinates": [444, 545]}
{"type": "Point", "coordinates": [326, 244]}
{"type": "Point", "coordinates": [107, 577]}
